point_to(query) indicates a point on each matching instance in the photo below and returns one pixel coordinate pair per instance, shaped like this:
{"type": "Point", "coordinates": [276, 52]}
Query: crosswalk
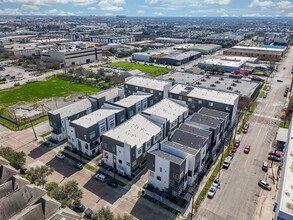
{"type": "Point", "coordinates": [265, 116]}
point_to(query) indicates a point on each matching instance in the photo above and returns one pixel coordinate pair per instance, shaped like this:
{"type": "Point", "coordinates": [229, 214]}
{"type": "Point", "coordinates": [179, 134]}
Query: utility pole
{"type": "Point", "coordinates": [36, 138]}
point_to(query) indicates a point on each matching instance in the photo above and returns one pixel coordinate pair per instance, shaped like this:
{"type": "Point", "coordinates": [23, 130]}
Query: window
{"type": "Point", "coordinates": [139, 151]}
{"type": "Point", "coordinates": [160, 93]}
{"type": "Point", "coordinates": [136, 88]}
{"type": "Point", "coordinates": [151, 102]}
{"type": "Point", "coordinates": [160, 169]}
{"type": "Point", "coordinates": [143, 89]}
{"type": "Point", "coordinates": [84, 137]}
{"type": "Point", "coordinates": [170, 96]}
{"type": "Point", "coordinates": [122, 118]}
{"type": "Point", "coordinates": [159, 178]}
{"type": "Point", "coordinates": [86, 146]}
{"type": "Point", "coordinates": [189, 99]}
{"type": "Point", "coordinates": [134, 163]}
{"type": "Point", "coordinates": [151, 174]}
{"type": "Point", "coordinates": [180, 97]}
{"type": "Point", "coordinates": [126, 86]}
{"type": "Point", "coordinates": [211, 104]}
{"type": "Point", "coordinates": [189, 173]}
{"type": "Point", "coordinates": [151, 91]}
{"type": "Point", "coordinates": [120, 161]}
{"type": "Point", "coordinates": [112, 123]}
{"type": "Point", "coordinates": [200, 102]}
{"type": "Point", "coordinates": [106, 155]}
{"type": "Point", "coordinates": [131, 113]}
{"type": "Point", "coordinates": [128, 164]}
{"type": "Point", "coordinates": [92, 134]}
{"type": "Point", "coordinates": [227, 108]}
{"type": "Point", "coordinates": [175, 175]}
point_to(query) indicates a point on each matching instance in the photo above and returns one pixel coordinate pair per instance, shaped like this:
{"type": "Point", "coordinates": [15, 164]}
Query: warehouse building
{"type": "Point", "coordinates": [268, 54]}
{"type": "Point", "coordinates": [169, 40]}
{"type": "Point", "coordinates": [202, 48]}
{"type": "Point", "coordinates": [108, 39]}
{"type": "Point", "coordinates": [177, 59]}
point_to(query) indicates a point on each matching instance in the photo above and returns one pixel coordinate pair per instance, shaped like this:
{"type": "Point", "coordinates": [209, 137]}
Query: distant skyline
{"type": "Point", "coordinates": [150, 8]}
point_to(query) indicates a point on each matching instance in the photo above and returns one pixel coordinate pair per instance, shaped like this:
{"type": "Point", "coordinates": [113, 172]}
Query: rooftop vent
{"type": "Point", "coordinates": [208, 77]}
{"type": "Point", "coordinates": [198, 83]}
{"type": "Point", "coordinates": [229, 88]}
{"type": "Point", "coordinates": [218, 82]}
{"type": "Point", "coordinates": [233, 84]}
{"type": "Point", "coordinates": [203, 80]}
{"type": "Point", "coordinates": [213, 85]}
{"type": "Point", "coordinates": [222, 79]}
{"type": "Point", "coordinates": [237, 91]}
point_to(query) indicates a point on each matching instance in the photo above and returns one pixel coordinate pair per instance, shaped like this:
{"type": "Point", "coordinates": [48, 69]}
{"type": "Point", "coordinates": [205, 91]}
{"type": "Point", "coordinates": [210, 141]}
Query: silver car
{"type": "Point", "coordinates": [212, 191]}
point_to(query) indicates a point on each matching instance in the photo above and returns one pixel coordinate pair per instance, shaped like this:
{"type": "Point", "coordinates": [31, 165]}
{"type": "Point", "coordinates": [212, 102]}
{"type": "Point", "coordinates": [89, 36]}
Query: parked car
{"type": "Point", "coordinates": [89, 213]}
{"type": "Point", "coordinates": [247, 149]}
{"type": "Point", "coordinates": [23, 170]}
{"type": "Point", "coordinates": [268, 88]}
{"type": "Point", "coordinates": [112, 184]}
{"type": "Point", "coordinates": [234, 149]}
{"type": "Point", "coordinates": [265, 95]}
{"type": "Point", "coordinates": [212, 191]}
{"type": "Point", "coordinates": [60, 156]}
{"type": "Point", "coordinates": [245, 128]}
{"type": "Point", "coordinates": [78, 165]}
{"type": "Point", "coordinates": [231, 155]}
{"type": "Point", "coordinates": [264, 166]}
{"type": "Point", "coordinates": [237, 143]}
{"type": "Point", "coordinates": [274, 158]}
{"type": "Point", "coordinates": [275, 154]}
{"type": "Point", "coordinates": [216, 183]}
{"type": "Point", "coordinates": [79, 207]}
{"type": "Point", "coordinates": [278, 80]}
{"type": "Point", "coordinates": [227, 162]}
{"type": "Point", "coordinates": [264, 185]}
{"type": "Point", "coordinates": [101, 177]}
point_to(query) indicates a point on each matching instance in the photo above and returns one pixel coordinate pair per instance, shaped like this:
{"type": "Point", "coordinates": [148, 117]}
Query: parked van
{"type": "Point", "coordinates": [101, 177]}
{"type": "Point", "coordinates": [264, 166]}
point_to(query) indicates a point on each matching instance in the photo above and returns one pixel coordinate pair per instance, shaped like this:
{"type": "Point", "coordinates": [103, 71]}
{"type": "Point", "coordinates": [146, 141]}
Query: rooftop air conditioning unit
{"type": "Point", "coordinates": [213, 85]}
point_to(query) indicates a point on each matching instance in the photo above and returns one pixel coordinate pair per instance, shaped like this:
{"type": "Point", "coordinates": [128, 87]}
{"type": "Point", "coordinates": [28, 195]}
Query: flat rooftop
{"type": "Point", "coordinates": [182, 77]}
{"type": "Point", "coordinates": [213, 113]}
{"type": "Point", "coordinates": [286, 188]}
{"type": "Point", "coordinates": [135, 132]}
{"type": "Point", "coordinates": [73, 108]}
{"type": "Point", "coordinates": [94, 117]}
{"type": "Point", "coordinates": [188, 139]}
{"type": "Point", "coordinates": [206, 120]}
{"type": "Point", "coordinates": [108, 94]}
{"type": "Point", "coordinates": [147, 82]}
{"type": "Point", "coordinates": [244, 87]}
{"type": "Point", "coordinates": [181, 56]}
{"type": "Point", "coordinates": [259, 49]}
{"type": "Point", "coordinates": [168, 109]}
{"type": "Point", "coordinates": [167, 156]}
{"type": "Point", "coordinates": [181, 147]}
{"type": "Point", "coordinates": [132, 100]}
{"type": "Point", "coordinates": [221, 62]}
{"type": "Point", "coordinates": [205, 94]}
{"type": "Point", "coordinates": [191, 127]}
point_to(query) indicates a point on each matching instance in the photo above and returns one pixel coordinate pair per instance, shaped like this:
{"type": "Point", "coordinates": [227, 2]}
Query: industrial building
{"type": "Point", "coordinates": [226, 63]}
{"type": "Point", "coordinates": [262, 53]}
{"type": "Point", "coordinates": [166, 56]}
{"type": "Point", "coordinates": [202, 48]}
{"type": "Point", "coordinates": [69, 55]}
{"type": "Point", "coordinates": [170, 40]}
{"type": "Point", "coordinates": [108, 39]}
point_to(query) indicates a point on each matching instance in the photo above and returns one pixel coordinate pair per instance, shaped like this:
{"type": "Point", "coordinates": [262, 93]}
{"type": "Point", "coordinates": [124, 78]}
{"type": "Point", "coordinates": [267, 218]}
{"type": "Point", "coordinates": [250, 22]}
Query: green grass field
{"type": "Point", "coordinates": [152, 70]}
{"type": "Point", "coordinates": [35, 91]}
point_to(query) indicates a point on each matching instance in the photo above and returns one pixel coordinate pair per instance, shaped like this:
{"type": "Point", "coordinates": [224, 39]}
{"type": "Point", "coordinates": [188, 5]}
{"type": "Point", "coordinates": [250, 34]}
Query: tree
{"type": "Point", "coordinates": [16, 159]}
{"type": "Point", "coordinates": [104, 214]}
{"type": "Point", "coordinates": [68, 195]}
{"type": "Point", "coordinates": [38, 174]}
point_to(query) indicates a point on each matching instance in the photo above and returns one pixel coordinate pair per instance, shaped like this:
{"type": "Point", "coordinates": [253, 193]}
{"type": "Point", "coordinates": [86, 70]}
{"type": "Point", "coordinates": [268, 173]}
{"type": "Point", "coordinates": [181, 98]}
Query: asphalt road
{"type": "Point", "coordinates": [239, 195]}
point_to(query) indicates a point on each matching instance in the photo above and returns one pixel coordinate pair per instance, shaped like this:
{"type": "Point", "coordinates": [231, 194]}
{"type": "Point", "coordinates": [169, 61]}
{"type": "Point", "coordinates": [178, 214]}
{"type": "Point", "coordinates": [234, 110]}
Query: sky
{"type": "Point", "coordinates": [150, 8]}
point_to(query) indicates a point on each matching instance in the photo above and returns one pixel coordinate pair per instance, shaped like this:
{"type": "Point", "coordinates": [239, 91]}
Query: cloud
{"type": "Point", "coordinates": [253, 15]}
{"type": "Point", "coordinates": [50, 2]}
{"type": "Point", "coordinates": [29, 8]}
{"type": "Point", "coordinates": [158, 14]}
{"type": "Point", "coordinates": [59, 12]}
{"type": "Point", "coordinates": [151, 1]}
{"type": "Point", "coordinates": [224, 15]}
{"type": "Point", "coordinates": [217, 2]}
{"type": "Point", "coordinates": [108, 14]}
{"type": "Point", "coordinates": [140, 11]}
{"type": "Point", "coordinates": [111, 5]}
{"type": "Point", "coordinates": [285, 4]}
{"type": "Point", "coordinates": [10, 11]}
{"type": "Point", "coordinates": [91, 8]}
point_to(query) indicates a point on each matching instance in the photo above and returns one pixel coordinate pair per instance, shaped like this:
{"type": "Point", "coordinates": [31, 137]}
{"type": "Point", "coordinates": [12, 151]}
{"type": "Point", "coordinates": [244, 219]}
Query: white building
{"type": "Point", "coordinates": [107, 39]}
{"type": "Point", "coordinates": [170, 40]}
{"type": "Point", "coordinates": [72, 55]}
{"type": "Point", "coordinates": [84, 134]}
{"type": "Point", "coordinates": [59, 118]}
{"type": "Point", "coordinates": [171, 113]}
{"type": "Point", "coordinates": [125, 147]}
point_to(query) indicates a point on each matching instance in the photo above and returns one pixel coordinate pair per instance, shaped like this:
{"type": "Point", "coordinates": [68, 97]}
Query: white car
{"type": "Point", "coordinates": [216, 183]}
{"type": "Point", "coordinates": [60, 156]}
{"type": "Point", "coordinates": [212, 191]}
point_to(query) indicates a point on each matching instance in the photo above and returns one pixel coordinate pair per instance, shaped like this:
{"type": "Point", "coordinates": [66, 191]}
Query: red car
{"type": "Point", "coordinates": [275, 154]}
{"type": "Point", "coordinates": [247, 149]}
{"type": "Point", "coordinates": [234, 149]}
